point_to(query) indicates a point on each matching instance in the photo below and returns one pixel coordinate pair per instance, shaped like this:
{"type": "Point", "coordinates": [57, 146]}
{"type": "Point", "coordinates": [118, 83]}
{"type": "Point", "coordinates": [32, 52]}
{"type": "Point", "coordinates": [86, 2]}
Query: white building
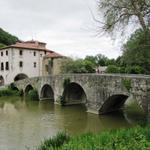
{"type": "Point", "coordinates": [21, 60]}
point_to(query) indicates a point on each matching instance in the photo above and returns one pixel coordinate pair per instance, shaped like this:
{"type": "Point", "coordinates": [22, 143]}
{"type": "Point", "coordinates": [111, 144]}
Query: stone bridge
{"type": "Point", "coordinates": [100, 93]}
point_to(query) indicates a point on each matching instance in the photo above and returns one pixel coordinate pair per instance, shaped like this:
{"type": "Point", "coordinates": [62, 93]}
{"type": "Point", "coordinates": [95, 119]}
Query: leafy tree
{"type": "Point", "coordinates": [136, 52]}
{"type": "Point", "coordinates": [2, 45]}
{"type": "Point", "coordinates": [112, 69]}
{"type": "Point", "coordinates": [101, 60]}
{"type": "Point", "coordinates": [110, 62]}
{"type": "Point", "coordinates": [134, 70]}
{"type": "Point", "coordinates": [6, 38]}
{"type": "Point", "coordinates": [92, 59]}
{"type": "Point", "coordinates": [78, 66]}
{"type": "Point", "coordinates": [89, 66]}
{"type": "Point", "coordinates": [119, 13]}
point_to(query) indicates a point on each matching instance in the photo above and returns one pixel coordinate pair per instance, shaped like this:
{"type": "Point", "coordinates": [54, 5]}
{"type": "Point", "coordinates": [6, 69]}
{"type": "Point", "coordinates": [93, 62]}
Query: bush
{"type": "Point", "coordinates": [112, 69]}
{"type": "Point", "coordinates": [127, 84]}
{"type": "Point", "coordinates": [33, 95]}
{"type": "Point", "coordinates": [55, 142]}
{"type": "Point", "coordinates": [9, 92]}
{"type": "Point", "coordinates": [134, 70]}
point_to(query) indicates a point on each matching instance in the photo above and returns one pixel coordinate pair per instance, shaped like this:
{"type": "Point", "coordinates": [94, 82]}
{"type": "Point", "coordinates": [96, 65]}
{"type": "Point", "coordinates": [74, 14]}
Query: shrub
{"type": "Point", "coordinates": [62, 100]}
{"type": "Point", "coordinates": [127, 83]}
{"type": "Point", "coordinates": [112, 69]}
{"type": "Point", "coordinates": [33, 95]}
{"type": "Point", "coordinates": [6, 92]}
{"type": "Point", "coordinates": [134, 70]}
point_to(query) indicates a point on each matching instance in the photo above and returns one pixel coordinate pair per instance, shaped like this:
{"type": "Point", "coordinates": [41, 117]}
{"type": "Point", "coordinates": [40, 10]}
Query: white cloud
{"type": "Point", "coordinates": [65, 25]}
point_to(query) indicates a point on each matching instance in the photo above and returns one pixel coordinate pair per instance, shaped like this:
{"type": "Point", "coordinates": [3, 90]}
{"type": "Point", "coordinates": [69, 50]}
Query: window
{"type": "Point", "coordinates": [34, 64]}
{"type": "Point", "coordinates": [41, 55]}
{"type": "Point", "coordinates": [20, 52]}
{"type": "Point", "coordinates": [34, 53]}
{"type": "Point", "coordinates": [2, 66]}
{"type": "Point", "coordinates": [7, 65]}
{"type": "Point", "coordinates": [21, 64]}
{"type": "Point", "coordinates": [46, 68]}
{"type": "Point", "coordinates": [1, 53]}
{"type": "Point", "coordinates": [45, 52]}
{"type": "Point", "coordinates": [7, 53]}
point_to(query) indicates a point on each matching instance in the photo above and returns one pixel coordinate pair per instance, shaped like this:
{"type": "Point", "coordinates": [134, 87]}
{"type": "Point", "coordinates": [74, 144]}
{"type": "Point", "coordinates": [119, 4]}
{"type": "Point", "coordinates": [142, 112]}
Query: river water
{"type": "Point", "coordinates": [24, 124]}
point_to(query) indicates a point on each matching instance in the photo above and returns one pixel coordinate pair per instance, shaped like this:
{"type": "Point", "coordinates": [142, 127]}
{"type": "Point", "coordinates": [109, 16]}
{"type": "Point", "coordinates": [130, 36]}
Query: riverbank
{"type": "Point", "coordinates": [136, 138]}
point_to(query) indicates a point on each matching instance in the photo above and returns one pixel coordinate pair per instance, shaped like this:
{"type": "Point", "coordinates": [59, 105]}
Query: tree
{"type": "Point", "coordinates": [2, 45]}
{"type": "Point", "coordinates": [136, 52]}
{"type": "Point", "coordinates": [6, 38]}
{"type": "Point", "coordinates": [101, 60]}
{"type": "Point", "coordinates": [92, 59]}
{"type": "Point", "coordinates": [119, 13]}
{"type": "Point", "coordinates": [77, 66]}
{"type": "Point", "coordinates": [112, 69]}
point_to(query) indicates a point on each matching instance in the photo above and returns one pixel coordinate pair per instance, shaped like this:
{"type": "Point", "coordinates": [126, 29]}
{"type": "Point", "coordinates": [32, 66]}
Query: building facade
{"type": "Point", "coordinates": [22, 60]}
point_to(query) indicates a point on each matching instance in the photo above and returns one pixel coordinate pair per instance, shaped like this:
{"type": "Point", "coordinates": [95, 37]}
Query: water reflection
{"type": "Point", "coordinates": [25, 123]}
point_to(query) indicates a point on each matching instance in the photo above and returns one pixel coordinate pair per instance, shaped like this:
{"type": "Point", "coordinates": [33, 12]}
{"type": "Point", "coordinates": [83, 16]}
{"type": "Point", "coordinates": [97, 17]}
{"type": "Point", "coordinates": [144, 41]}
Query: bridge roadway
{"type": "Point", "coordinates": [101, 93]}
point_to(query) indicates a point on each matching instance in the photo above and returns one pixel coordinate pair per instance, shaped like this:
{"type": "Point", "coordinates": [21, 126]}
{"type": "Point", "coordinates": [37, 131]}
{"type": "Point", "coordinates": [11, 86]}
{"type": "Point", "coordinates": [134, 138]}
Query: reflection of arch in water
{"type": "Point", "coordinates": [28, 88]}
{"type": "Point", "coordinates": [98, 123]}
{"type": "Point", "coordinates": [74, 94]}
{"type": "Point", "coordinates": [113, 103]}
{"type": "Point", "coordinates": [47, 92]}
{"type": "Point", "coordinates": [133, 112]}
{"type": "Point", "coordinates": [20, 76]}
{"type": "Point", "coordinates": [1, 81]}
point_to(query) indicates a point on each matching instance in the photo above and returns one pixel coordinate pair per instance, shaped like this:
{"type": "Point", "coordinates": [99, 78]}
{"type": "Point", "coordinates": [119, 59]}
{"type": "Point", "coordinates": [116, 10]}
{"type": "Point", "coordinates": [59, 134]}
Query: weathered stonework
{"type": "Point", "coordinates": [104, 93]}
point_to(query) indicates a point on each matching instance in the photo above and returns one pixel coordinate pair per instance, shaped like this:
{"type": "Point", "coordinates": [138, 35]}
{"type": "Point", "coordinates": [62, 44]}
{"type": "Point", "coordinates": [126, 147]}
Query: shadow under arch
{"type": "Point", "coordinates": [113, 103]}
{"type": "Point", "coordinates": [27, 89]}
{"type": "Point", "coordinates": [74, 94]}
{"type": "Point", "coordinates": [1, 80]}
{"type": "Point", "coordinates": [47, 92]}
{"type": "Point", "coordinates": [20, 76]}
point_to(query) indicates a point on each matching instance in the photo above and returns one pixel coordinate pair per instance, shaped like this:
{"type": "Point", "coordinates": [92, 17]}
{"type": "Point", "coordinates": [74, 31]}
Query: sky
{"type": "Point", "coordinates": [66, 26]}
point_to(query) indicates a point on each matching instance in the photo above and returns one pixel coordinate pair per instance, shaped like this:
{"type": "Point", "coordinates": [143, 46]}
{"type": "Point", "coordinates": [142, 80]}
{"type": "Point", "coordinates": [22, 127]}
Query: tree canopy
{"type": "Point", "coordinates": [119, 13]}
{"type": "Point", "coordinates": [137, 50]}
{"type": "Point", "coordinates": [6, 38]}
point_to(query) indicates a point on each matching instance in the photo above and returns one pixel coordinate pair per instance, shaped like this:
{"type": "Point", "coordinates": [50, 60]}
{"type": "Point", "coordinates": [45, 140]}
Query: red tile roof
{"type": "Point", "coordinates": [35, 45]}
{"type": "Point", "coordinates": [53, 54]}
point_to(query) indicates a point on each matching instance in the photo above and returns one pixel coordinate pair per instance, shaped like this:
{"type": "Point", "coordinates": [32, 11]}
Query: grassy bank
{"type": "Point", "coordinates": [137, 138]}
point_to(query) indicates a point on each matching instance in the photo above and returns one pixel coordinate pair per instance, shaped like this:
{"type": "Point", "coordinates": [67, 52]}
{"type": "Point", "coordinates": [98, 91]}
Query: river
{"type": "Point", "coordinates": [24, 124]}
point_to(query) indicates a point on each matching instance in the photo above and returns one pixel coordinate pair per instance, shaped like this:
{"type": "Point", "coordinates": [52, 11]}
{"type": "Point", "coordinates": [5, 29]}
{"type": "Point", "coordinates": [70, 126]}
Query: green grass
{"type": "Point", "coordinates": [137, 138]}
{"type": "Point", "coordinates": [55, 142]}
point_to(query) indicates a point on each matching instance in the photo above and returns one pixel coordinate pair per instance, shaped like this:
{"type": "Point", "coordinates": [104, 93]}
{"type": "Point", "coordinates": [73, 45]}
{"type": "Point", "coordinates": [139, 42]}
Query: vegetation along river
{"type": "Point", "coordinates": [24, 124]}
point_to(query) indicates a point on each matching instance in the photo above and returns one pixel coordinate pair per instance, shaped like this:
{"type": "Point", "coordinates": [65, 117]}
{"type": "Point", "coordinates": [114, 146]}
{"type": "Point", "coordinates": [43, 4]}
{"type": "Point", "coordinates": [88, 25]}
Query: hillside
{"type": "Point", "coordinates": [7, 38]}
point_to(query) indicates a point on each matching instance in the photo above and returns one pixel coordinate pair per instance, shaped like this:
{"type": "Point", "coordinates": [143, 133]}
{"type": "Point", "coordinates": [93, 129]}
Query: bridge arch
{"type": "Point", "coordinates": [47, 92]}
{"type": "Point", "coordinates": [113, 103]}
{"type": "Point", "coordinates": [1, 80]}
{"type": "Point", "coordinates": [74, 94]}
{"type": "Point", "coordinates": [20, 76]}
{"type": "Point", "coordinates": [28, 88]}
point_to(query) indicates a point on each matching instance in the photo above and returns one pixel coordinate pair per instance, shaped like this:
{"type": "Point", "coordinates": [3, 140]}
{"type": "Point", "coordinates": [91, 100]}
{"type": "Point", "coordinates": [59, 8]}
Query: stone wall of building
{"type": "Point", "coordinates": [52, 66]}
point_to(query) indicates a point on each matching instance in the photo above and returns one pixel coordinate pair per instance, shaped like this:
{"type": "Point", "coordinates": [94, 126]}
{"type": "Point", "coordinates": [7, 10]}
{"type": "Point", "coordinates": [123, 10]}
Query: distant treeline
{"type": "Point", "coordinates": [6, 38]}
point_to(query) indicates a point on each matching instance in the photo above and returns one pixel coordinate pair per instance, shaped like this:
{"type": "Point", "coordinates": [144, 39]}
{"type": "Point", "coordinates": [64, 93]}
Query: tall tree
{"type": "Point", "coordinates": [118, 13]}
{"type": "Point", "coordinates": [137, 50]}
